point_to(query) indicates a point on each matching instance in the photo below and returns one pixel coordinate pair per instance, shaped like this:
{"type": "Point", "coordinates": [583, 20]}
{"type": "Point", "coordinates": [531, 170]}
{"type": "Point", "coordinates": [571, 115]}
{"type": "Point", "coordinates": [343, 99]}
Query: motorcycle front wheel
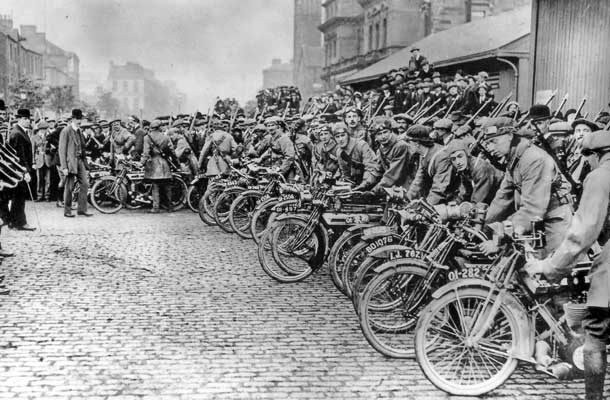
{"type": "Point", "coordinates": [108, 196]}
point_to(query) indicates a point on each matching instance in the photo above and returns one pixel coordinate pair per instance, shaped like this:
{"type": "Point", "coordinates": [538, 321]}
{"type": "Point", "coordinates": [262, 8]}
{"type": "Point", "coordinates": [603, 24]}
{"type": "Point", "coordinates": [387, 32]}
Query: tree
{"type": "Point", "coordinates": [25, 93]}
{"type": "Point", "coordinates": [108, 105]}
{"type": "Point", "coordinates": [60, 98]}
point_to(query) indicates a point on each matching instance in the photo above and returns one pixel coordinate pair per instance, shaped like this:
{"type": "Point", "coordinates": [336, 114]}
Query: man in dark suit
{"type": "Point", "coordinates": [19, 140]}
{"type": "Point", "coordinates": [74, 165]}
{"type": "Point", "coordinates": [139, 133]}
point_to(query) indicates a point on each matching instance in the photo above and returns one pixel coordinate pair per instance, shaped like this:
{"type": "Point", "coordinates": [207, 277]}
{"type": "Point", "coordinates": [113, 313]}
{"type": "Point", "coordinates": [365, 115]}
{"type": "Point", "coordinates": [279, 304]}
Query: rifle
{"type": "Point", "coordinates": [544, 145]}
{"type": "Point", "coordinates": [501, 106]}
{"type": "Point", "coordinates": [563, 102]}
{"type": "Point", "coordinates": [377, 110]}
{"type": "Point", "coordinates": [582, 104]}
{"type": "Point", "coordinates": [450, 107]}
{"type": "Point", "coordinates": [420, 115]}
{"type": "Point", "coordinates": [433, 115]}
{"type": "Point", "coordinates": [412, 107]}
{"type": "Point", "coordinates": [528, 113]}
{"type": "Point", "coordinates": [477, 113]}
{"type": "Point", "coordinates": [283, 115]}
{"type": "Point", "coordinates": [421, 107]}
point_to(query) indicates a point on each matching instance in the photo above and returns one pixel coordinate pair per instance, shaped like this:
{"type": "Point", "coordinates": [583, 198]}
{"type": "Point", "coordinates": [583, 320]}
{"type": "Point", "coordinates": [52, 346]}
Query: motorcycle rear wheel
{"type": "Point", "coordinates": [336, 257]}
{"type": "Point", "coordinates": [206, 203]}
{"type": "Point", "coordinates": [241, 211]}
{"type": "Point", "coordinates": [105, 199]}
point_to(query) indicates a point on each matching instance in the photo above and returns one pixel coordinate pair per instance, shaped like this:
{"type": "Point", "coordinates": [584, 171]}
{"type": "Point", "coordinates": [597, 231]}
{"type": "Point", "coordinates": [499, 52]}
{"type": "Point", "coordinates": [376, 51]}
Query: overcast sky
{"type": "Point", "coordinates": [209, 47]}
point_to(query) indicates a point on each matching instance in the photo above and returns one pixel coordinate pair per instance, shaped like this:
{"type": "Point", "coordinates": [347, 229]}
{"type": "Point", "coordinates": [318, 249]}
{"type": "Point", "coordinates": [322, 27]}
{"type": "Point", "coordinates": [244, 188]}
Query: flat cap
{"type": "Point", "coordinates": [581, 121]}
{"type": "Point", "coordinates": [419, 133]}
{"type": "Point", "coordinates": [403, 117]}
{"type": "Point", "coordinates": [560, 129]}
{"type": "Point", "coordinates": [493, 127]}
{"type": "Point", "coordinates": [443, 123]}
{"type": "Point", "coordinates": [596, 140]}
{"type": "Point", "coordinates": [457, 145]}
{"type": "Point", "coordinates": [339, 127]}
{"type": "Point", "coordinates": [156, 124]}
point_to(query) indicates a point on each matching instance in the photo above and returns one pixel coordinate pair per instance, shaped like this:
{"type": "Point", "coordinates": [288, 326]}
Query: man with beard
{"type": "Point", "coordinates": [353, 120]}
{"type": "Point", "coordinates": [357, 161]}
{"type": "Point", "coordinates": [479, 180]}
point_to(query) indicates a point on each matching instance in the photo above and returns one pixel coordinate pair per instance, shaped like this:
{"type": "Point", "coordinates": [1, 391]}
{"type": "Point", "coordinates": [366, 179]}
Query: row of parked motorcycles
{"type": "Point", "coordinates": [414, 273]}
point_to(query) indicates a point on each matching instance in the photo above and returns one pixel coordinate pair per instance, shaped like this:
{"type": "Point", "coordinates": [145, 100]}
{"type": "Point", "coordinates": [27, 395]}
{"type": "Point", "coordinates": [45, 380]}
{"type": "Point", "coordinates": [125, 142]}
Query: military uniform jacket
{"type": "Point", "coordinates": [325, 156]}
{"type": "Point", "coordinates": [394, 160]}
{"type": "Point", "coordinates": [357, 162]}
{"type": "Point", "coordinates": [589, 223]}
{"type": "Point", "coordinates": [138, 144]}
{"type": "Point", "coordinates": [219, 145]}
{"type": "Point", "coordinates": [283, 153]}
{"type": "Point", "coordinates": [532, 185]}
{"type": "Point", "coordinates": [434, 178]}
{"type": "Point", "coordinates": [123, 141]}
{"type": "Point", "coordinates": [19, 140]}
{"type": "Point", "coordinates": [479, 182]}
{"type": "Point", "coordinates": [359, 133]}
{"type": "Point", "coordinates": [156, 145]}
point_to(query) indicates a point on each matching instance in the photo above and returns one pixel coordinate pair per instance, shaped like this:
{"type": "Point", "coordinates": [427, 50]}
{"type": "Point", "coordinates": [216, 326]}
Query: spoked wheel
{"type": "Point", "coordinates": [107, 196]}
{"type": "Point", "coordinates": [260, 218]}
{"type": "Point", "coordinates": [456, 361]}
{"type": "Point", "coordinates": [207, 203]}
{"type": "Point", "coordinates": [179, 191]}
{"type": "Point", "coordinates": [338, 252]}
{"type": "Point", "coordinates": [292, 247]}
{"type": "Point", "coordinates": [364, 274]}
{"type": "Point", "coordinates": [354, 259]}
{"type": "Point", "coordinates": [222, 207]}
{"type": "Point", "coordinates": [389, 308]}
{"type": "Point", "coordinates": [194, 194]}
{"type": "Point", "coordinates": [241, 211]}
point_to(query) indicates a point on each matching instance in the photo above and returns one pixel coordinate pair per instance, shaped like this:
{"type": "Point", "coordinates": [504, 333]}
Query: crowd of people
{"type": "Point", "coordinates": [442, 141]}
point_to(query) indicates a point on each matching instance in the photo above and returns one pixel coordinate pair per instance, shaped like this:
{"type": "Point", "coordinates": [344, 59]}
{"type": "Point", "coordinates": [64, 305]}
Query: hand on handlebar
{"type": "Point", "coordinates": [489, 247]}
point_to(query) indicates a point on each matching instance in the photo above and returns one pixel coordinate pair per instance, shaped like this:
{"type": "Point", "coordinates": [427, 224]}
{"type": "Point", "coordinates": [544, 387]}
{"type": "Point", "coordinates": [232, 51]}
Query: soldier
{"type": "Point", "coordinates": [281, 150]}
{"type": "Point", "coordinates": [357, 161]}
{"type": "Point", "coordinates": [157, 154]}
{"type": "Point", "coordinates": [532, 185]}
{"type": "Point", "coordinates": [393, 156]}
{"type": "Point", "coordinates": [434, 178]}
{"type": "Point", "coordinates": [138, 132]}
{"type": "Point", "coordinates": [219, 146]}
{"type": "Point", "coordinates": [590, 223]}
{"type": "Point", "coordinates": [325, 152]}
{"type": "Point", "coordinates": [442, 132]}
{"type": "Point", "coordinates": [479, 180]}
{"type": "Point", "coordinates": [123, 140]}
{"type": "Point", "coordinates": [353, 119]}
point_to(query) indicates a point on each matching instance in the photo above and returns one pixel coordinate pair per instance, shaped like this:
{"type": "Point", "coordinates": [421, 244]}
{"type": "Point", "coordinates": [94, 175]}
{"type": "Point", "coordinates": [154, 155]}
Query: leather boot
{"type": "Point", "coordinates": [595, 368]}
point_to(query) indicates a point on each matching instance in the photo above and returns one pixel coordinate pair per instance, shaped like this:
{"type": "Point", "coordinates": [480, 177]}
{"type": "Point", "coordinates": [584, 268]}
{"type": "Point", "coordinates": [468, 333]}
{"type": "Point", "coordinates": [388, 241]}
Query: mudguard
{"type": "Point", "coordinates": [318, 259]}
{"type": "Point", "coordinates": [233, 190]}
{"type": "Point", "coordinates": [384, 250]}
{"type": "Point", "coordinates": [251, 191]}
{"type": "Point", "coordinates": [359, 226]}
{"type": "Point", "coordinates": [525, 341]}
{"type": "Point", "coordinates": [401, 261]}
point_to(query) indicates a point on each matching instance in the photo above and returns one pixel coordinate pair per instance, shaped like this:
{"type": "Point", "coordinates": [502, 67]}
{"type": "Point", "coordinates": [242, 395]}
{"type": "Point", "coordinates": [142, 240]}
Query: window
{"type": "Point", "coordinates": [377, 35]}
{"type": "Point", "coordinates": [370, 37]}
{"type": "Point", "coordinates": [125, 85]}
{"type": "Point", "coordinates": [384, 40]}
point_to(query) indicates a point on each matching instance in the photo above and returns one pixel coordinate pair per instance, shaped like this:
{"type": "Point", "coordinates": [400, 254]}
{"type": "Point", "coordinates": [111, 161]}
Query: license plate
{"type": "Point", "coordinates": [469, 271]}
{"type": "Point", "coordinates": [287, 197]}
{"type": "Point", "coordinates": [382, 241]}
{"type": "Point", "coordinates": [357, 219]}
{"type": "Point", "coordinates": [376, 231]}
{"type": "Point", "coordinates": [407, 253]}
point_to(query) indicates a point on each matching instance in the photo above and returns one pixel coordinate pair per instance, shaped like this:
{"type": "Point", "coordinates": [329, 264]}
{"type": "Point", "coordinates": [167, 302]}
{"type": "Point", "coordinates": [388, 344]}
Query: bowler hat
{"type": "Point", "coordinates": [539, 112]}
{"type": "Point", "coordinates": [77, 114]}
{"type": "Point", "coordinates": [23, 113]}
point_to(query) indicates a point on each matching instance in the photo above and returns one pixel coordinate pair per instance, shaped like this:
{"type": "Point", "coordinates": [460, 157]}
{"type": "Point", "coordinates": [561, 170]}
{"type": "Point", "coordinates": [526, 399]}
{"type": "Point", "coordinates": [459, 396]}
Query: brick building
{"type": "Point", "coordinates": [61, 67]}
{"type": "Point", "coordinates": [278, 74]}
{"type": "Point", "coordinates": [307, 47]}
{"type": "Point", "coordinates": [17, 58]}
{"type": "Point", "coordinates": [359, 33]}
{"type": "Point", "coordinates": [140, 92]}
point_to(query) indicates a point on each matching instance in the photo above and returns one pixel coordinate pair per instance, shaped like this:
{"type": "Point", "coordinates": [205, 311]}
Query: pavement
{"type": "Point", "coordinates": [141, 306]}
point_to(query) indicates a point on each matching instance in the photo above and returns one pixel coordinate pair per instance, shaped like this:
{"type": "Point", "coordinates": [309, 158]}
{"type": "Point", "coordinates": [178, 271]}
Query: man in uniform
{"type": "Point", "coordinates": [393, 156]}
{"type": "Point", "coordinates": [353, 120]}
{"type": "Point", "coordinates": [357, 161]}
{"type": "Point", "coordinates": [434, 178]}
{"type": "Point", "coordinates": [282, 150]}
{"type": "Point", "coordinates": [325, 152]}
{"type": "Point", "coordinates": [589, 223]}
{"type": "Point", "coordinates": [532, 188]}
{"type": "Point", "coordinates": [157, 153]}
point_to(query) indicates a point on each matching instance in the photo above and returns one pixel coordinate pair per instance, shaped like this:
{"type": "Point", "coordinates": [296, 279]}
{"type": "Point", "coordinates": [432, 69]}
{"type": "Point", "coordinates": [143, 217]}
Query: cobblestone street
{"type": "Point", "coordinates": [136, 306]}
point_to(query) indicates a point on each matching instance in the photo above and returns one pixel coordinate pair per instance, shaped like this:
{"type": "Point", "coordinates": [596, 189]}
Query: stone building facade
{"type": "Point", "coordinates": [307, 47]}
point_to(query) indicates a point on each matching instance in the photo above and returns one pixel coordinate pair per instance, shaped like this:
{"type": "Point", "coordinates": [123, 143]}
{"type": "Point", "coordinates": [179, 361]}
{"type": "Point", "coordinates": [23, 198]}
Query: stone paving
{"type": "Point", "coordinates": [140, 306]}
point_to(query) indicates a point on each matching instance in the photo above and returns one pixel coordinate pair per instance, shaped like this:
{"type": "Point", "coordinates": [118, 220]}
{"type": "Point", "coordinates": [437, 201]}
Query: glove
{"type": "Point", "coordinates": [538, 267]}
{"type": "Point", "coordinates": [489, 247]}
